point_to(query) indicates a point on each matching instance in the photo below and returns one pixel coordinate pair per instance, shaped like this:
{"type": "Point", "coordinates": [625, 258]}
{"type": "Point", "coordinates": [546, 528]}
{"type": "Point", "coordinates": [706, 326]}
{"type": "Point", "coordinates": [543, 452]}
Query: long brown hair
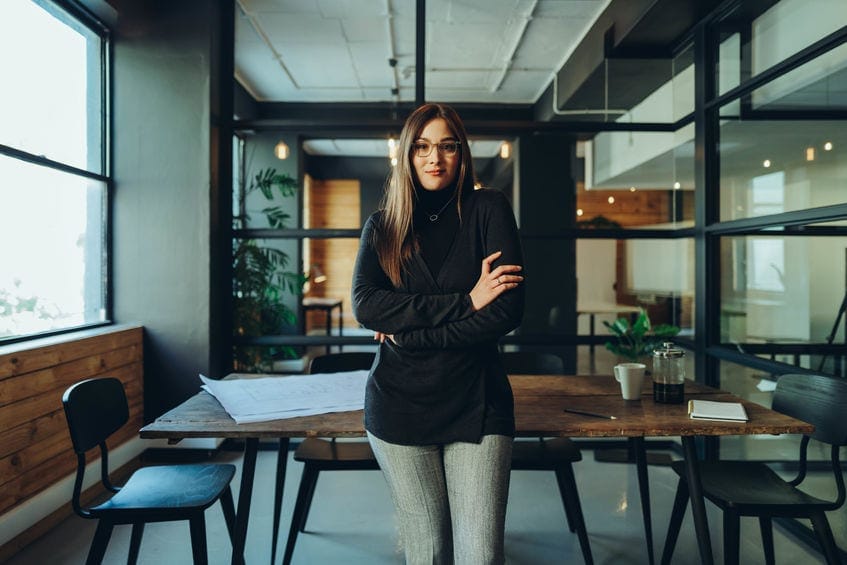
{"type": "Point", "coordinates": [394, 240]}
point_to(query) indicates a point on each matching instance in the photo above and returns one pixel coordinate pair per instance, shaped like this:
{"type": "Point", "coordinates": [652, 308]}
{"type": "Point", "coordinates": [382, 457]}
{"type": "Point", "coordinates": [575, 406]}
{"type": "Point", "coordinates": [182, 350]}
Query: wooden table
{"type": "Point", "coordinates": [539, 401]}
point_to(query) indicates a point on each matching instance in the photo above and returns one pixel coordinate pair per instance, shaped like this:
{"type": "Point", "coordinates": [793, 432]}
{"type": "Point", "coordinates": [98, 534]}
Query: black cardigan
{"type": "Point", "coordinates": [443, 380]}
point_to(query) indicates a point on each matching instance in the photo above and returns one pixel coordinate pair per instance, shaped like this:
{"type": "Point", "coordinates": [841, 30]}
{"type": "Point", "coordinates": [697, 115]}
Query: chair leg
{"type": "Point", "coordinates": [824, 533]}
{"type": "Point", "coordinates": [279, 486]}
{"type": "Point", "coordinates": [99, 543]}
{"type": "Point", "coordinates": [766, 527]}
{"type": "Point", "coordinates": [228, 508]}
{"type": "Point", "coordinates": [135, 542]}
{"type": "Point", "coordinates": [567, 486]}
{"type": "Point", "coordinates": [566, 504]}
{"type": "Point", "coordinates": [307, 482]}
{"type": "Point", "coordinates": [731, 533]}
{"type": "Point", "coordinates": [198, 539]}
{"type": "Point", "coordinates": [680, 503]}
{"type": "Point", "coordinates": [311, 483]}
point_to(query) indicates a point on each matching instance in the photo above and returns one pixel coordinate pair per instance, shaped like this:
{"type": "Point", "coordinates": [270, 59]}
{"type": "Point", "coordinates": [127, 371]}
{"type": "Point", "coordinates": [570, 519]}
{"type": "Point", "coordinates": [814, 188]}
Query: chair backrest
{"type": "Point", "coordinates": [532, 363]}
{"type": "Point", "coordinates": [818, 400]}
{"type": "Point", "coordinates": [338, 362]}
{"type": "Point", "coordinates": [95, 409]}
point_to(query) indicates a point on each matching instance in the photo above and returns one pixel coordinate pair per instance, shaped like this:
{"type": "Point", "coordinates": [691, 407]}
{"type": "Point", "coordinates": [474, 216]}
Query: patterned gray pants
{"type": "Point", "coordinates": [450, 499]}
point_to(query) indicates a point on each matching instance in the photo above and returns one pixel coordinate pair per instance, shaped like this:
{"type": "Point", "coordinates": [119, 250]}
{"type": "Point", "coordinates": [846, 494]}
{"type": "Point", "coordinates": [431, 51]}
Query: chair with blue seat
{"type": "Point", "coordinates": [550, 454]}
{"type": "Point", "coordinates": [751, 488]}
{"type": "Point", "coordinates": [96, 409]}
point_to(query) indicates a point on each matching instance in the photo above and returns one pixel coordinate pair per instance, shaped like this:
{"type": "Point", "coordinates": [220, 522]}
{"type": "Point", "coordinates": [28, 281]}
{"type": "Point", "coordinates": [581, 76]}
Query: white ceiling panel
{"type": "Point", "coordinates": [547, 40]}
{"type": "Point", "coordinates": [365, 29]}
{"type": "Point", "coordinates": [309, 71]}
{"type": "Point", "coordinates": [291, 30]}
{"type": "Point", "coordinates": [365, 57]}
{"type": "Point", "coordinates": [471, 11]}
{"type": "Point", "coordinates": [286, 6]}
{"type": "Point", "coordinates": [344, 9]}
{"type": "Point", "coordinates": [586, 9]}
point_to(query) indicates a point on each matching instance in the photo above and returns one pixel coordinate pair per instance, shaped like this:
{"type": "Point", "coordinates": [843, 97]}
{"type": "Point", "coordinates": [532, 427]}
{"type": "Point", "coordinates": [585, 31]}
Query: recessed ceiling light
{"type": "Point", "coordinates": [766, 163]}
{"type": "Point", "coordinates": [827, 146]}
{"type": "Point", "coordinates": [611, 200]}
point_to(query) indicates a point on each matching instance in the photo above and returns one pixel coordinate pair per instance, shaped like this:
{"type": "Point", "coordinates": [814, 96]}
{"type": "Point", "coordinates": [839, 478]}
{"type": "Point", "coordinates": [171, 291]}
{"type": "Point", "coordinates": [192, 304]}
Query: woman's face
{"type": "Point", "coordinates": [438, 169]}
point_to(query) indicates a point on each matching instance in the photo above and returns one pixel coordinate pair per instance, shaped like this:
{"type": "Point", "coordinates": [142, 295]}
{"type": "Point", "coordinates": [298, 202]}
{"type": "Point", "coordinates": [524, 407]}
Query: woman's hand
{"type": "Point", "coordinates": [381, 337]}
{"type": "Point", "coordinates": [492, 284]}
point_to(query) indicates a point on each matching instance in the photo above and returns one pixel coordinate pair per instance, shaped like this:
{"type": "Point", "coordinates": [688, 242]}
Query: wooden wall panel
{"type": "Point", "coordinates": [35, 447]}
{"type": "Point", "coordinates": [333, 204]}
{"type": "Point", "coordinates": [639, 208]}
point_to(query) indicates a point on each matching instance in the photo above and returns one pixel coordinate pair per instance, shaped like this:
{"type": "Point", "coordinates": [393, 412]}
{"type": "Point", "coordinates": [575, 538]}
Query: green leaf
{"type": "Point", "coordinates": [640, 339]}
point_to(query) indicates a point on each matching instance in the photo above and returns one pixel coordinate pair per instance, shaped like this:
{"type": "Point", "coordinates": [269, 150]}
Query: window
{"type": "Point", "coordinates": [53, 182]}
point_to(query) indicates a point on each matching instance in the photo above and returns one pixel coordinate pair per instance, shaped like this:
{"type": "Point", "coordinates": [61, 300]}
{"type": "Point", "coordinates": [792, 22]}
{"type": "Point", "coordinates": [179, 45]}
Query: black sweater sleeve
{"type": "Point", "coordinates": [499, 233]}
{"type": "Point", "coordinates": [379, 306]}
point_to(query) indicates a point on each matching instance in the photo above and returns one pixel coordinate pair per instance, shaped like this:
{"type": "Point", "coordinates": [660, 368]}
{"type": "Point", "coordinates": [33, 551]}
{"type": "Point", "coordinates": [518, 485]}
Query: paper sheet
{"type": "Point", "coordinates": [273, 398]}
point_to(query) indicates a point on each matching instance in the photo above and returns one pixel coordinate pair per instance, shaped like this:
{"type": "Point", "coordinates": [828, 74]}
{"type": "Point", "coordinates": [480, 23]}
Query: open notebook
{"type": "Point", "coordinates": [712, 410]}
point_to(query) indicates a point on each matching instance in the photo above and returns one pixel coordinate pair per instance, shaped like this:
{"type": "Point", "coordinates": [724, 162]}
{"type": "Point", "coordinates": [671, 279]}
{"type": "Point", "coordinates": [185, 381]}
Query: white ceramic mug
{"type": "Point", "coordinates": [631, 377]}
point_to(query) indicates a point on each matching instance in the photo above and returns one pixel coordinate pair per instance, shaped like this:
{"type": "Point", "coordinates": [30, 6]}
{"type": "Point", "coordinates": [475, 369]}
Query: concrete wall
{"type": "Point", "coordinates": [161, 209]}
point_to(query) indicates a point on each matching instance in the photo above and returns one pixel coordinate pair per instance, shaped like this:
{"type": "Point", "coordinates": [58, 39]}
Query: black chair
{"type": "Point", "coordinates": [97, 408]}
{"type": "Point", "coordinates": [318, 454]}
{"type": "Point", "coordinates": [550, 454]}
{"type": "Point", "coordinates": [750, 488]}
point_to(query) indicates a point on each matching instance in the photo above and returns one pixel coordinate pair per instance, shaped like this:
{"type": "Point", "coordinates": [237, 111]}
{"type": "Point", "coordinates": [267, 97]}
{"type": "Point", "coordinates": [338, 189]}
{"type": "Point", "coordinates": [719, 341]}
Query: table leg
{"type": "Point", "coordinates": [328, 328]}
{"type": "Point", "coordinates": [281, 466]}
{"type": "Point", "coordinates": [638, 446]}
{"type": "Point", "coordinates": [340, 324]}
{"type": "Point", "coordinates": [248, 471]}
{"type": "Point", "coordinates": [591, 332]}
{"type": "Point", "coordinates": [698, 504]}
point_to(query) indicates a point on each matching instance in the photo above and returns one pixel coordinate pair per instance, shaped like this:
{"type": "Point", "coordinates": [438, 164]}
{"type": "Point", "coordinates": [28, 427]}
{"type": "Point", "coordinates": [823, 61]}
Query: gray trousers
{"type": "Point", "coordinates": [450, 499]}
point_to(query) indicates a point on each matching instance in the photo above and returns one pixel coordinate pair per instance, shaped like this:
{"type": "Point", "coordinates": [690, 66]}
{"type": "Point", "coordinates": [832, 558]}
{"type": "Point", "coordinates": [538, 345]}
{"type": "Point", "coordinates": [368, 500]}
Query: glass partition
{"type": "Point", "coordinates": [638, 179]}
{"type": "Point", "coordinates": [615, 278]}
{"type": "Point", "coordinates": [778, 289]}
{"type": "Point", "coordinates": [756, 386]}
{"type": "Point", "coordinates": [759, 35]}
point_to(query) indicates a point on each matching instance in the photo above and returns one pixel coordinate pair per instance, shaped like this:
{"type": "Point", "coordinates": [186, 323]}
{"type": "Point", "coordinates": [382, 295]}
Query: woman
{"type": "Point", "coordinates": [437, 280]}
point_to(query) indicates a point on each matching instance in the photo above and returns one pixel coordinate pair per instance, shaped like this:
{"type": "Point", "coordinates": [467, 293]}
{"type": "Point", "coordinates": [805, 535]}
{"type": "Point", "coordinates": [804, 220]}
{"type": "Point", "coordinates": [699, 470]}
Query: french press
{"type": "Point", "coordinates": [668, 374]}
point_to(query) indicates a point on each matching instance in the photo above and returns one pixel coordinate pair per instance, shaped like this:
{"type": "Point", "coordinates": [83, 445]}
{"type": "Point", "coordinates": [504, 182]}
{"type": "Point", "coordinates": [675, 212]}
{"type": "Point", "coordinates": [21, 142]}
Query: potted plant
{"type": "Point", "coordinates": [637, 340]}
{"type": "Point", "coordinates": [260, 276]}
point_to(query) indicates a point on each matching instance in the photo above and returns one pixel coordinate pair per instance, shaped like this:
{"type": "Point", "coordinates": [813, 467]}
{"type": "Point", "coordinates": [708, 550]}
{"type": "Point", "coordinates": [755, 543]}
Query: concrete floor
{"type": "Point", "coordinates": [351, 522]}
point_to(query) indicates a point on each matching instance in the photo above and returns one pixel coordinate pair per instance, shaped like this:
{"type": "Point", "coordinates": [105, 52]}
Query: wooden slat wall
{"type": "Point", "coordinates": [333, 204]}
{"type": "Point", "coordinates": [639, 208]}
{"type": "Point", "coordinates": [35, 448]}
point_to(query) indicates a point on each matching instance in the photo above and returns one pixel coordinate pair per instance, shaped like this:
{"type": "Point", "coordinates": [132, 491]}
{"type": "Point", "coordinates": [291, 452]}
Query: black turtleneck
{"type": "Point", "coordinates": [435, 236]}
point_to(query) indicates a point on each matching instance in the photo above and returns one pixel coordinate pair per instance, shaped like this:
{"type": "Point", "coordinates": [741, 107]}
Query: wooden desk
{"type": "Point", "coordinates": [327, 305]}
{"type": "Point", "coordinates": [539, 401]}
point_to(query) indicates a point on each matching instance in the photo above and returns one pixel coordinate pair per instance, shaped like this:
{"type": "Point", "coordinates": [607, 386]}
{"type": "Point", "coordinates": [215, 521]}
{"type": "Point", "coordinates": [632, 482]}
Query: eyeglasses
{"type": "Point", "coordinates": [446, 148]}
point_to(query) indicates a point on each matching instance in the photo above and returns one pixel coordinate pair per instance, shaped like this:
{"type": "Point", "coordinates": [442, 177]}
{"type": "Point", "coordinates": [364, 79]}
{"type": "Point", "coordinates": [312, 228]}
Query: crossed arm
{"type": "Point", "coordinates": [492, 308]}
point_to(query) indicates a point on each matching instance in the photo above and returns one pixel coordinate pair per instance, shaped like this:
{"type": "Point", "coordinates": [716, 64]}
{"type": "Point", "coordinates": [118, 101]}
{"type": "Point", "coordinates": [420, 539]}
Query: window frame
{"type": "Point", "coordinates": [76, 16]}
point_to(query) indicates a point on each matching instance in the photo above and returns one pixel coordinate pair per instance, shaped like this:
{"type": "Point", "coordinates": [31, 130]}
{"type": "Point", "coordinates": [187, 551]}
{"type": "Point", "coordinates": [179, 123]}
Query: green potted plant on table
{"type": "Point", "coordinates": [637, 340]}
{"type": "Point", "coordinates": [260, 276]}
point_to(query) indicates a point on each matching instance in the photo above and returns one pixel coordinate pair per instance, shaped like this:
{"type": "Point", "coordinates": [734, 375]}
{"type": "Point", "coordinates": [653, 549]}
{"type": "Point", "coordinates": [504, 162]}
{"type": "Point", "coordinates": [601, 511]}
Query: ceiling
{"type": "Point", "coordinates": [477, 51]}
